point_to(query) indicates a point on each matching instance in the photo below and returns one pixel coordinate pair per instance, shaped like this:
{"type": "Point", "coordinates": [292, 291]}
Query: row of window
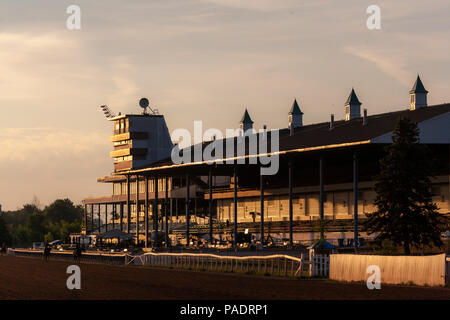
{"type": "Point", "coordinates": [125, 158]}
{"type": "Point", "coordinates": [121, 187]}
{"type": "Point", "coordinates": [119, 143]}
{"type": "Point", "coordinates": [121, 126]}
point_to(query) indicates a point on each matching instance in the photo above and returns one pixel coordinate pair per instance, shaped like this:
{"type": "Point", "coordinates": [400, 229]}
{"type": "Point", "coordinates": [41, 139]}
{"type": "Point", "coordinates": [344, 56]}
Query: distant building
{"type": "Point", "coordinates": [321, 158]}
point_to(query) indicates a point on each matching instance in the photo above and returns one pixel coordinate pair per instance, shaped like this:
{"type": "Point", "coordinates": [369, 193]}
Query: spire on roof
{"type": "Point", "coordinates": [246, 117]}
{"type": "Point", "coordinates": [352, 98]}
{"type": "Point", "coordinates": [418, 95]}
{"type": "Point", "coordinates": [418, 86]}
{"type": "Point", "coordinates": [295, 109]}
{"type": "Point", "coordinates": [352, 107]}
{"type": "Point", "coordinates": [246, 122]}
{"type": "Point", "coordinates": [295, 117]}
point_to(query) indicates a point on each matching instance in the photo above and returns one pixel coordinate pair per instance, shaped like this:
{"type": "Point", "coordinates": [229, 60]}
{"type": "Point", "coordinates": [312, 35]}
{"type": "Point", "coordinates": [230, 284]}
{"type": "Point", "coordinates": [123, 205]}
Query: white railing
{"type": "Point", "coordinates": [277, 265]}
{"type": "Point", "coordinates": [319, 265]}
{"type": "Point", "coordinates": [447, 269]}
{"type": "Point", "coordinates": [86, 256]}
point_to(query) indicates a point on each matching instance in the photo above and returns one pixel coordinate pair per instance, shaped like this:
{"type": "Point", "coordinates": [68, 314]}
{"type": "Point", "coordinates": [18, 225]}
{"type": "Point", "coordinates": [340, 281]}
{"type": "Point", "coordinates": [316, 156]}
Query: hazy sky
{"type": "Point", "coordinates": [196, 60]}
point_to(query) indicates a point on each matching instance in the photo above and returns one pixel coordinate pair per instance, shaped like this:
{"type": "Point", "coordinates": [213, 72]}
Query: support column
{"type": "Point", "coordinates": [155, 213]}
{"type": "Point", "coordinates": [355, 200]}
{"type": "Point", "coordinates": [92, 217]}
{"type": "Point", "coordinates": [106, 217]}
{"type": "Point", "coordinates": [291, 206]}
{"type": "Point", "coordinates": [171, 210]}
{"type": "Point", "coordinates": [128, 204]}
{"type": "Point", "coordinates": [261, 197]}
{"type": "Point", "coordinates": [176, 209]}
{"type": "Point", "coordinates": [235, 207]}
{"type": "Point", "coordinates": [187, 210]}
{"type": "Point", "coordinates": [195, 210]}
{"type": "Point", "coordinates": [146, 211]}
{"type": "Point", "coordinates": [137, 209]}
{"type": "Point", "coordinates": [210, 207]}
{"type": "Point", "coordinates": [121, 216]}
{"type": "Point", "coordinates": [99, 218]}
{"type": "Point", "coordinates": [321, 198]}
{"type": "Point", "coordinates": [86, 218]}
{"type": "Point", "coordinates": [114, 211]}
{"type": "Point", "coordinates": [166, 210]}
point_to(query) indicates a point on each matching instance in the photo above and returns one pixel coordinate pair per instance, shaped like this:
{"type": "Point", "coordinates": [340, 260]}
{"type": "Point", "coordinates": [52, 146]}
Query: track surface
{"type": "Point", "coordinates": [31, 278]}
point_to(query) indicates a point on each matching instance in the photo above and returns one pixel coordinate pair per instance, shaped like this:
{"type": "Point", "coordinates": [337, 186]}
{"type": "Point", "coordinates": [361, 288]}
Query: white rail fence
{"type": "Point", "coordinates": [86, 257]}
{"type": "Point", "coordinates": [418, 270]}
{"type": "Point", "coordinates": [447, 269]}
{"type": "Point", "coordinates": [277, 265]}
{"type": "Point", "coordinates": [319, 265]}
{"type": "Point", "coordinates": [316, 265]}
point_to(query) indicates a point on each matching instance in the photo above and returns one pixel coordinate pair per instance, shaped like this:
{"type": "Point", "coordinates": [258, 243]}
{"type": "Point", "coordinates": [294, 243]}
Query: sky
{"type": "Point", "coordinates": [195, 60]}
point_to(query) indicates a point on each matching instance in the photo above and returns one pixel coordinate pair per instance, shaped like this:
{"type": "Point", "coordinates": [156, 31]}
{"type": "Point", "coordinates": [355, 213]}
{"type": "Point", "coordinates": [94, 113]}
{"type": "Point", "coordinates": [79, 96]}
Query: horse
{"type": "Point", "coordinates": [47, 250]}
{"type": "Point", "coordinates": [77, 253]}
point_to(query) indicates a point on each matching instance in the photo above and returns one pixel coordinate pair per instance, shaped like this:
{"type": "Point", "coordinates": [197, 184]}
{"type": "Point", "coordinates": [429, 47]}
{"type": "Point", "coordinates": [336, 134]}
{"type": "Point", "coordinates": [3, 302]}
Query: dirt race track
{"type": "Point", "coordinates": [31, 278]}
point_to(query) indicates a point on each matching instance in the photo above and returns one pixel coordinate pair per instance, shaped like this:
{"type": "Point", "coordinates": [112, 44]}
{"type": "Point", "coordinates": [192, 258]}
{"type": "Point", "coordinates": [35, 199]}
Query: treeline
{"type": "Point", "coordinates": [30, 224]}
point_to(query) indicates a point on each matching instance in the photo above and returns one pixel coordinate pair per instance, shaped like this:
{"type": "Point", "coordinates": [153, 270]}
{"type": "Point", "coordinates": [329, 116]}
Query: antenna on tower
{"type": "Point", "coordinates": [108, 113]}
{"type": "Point", "coordinates": [144, 104]}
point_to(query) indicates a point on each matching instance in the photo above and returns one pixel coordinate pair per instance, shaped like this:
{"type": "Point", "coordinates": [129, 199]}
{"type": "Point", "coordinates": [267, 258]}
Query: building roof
{"type": "Point", "coordinates": [353, 130]}
{"type": "Point", "coordinates": [418, 86]}
{"type": "Point", "coordinates": [295, 109]}
{"type": "Point", "coordinates": [352, 98]}
{"type": "Point", "coordinates": [246, 117]}
{"type": "Point", "coordinates": [319, 136]}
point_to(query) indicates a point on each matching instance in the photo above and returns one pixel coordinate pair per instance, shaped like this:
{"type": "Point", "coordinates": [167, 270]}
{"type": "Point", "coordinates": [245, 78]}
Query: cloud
{"type": "Point", "coordinates": [258, 5]}
{"type": "Point", "coordinates": [123, 75]}
{"type": "Point", "coordinates": [32, 145]}
{"type": "Point", "coordinates": [390, 63]}
{"type": "Point", "coordinates": [33, 61]}
{"type": "Point", "coordinates": [51, 163]}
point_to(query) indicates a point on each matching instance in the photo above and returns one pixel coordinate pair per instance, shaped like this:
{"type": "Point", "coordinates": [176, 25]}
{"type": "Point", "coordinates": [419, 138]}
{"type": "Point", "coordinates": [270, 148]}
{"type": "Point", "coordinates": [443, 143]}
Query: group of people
{"type": "Point", "coordinates": [76, 252]}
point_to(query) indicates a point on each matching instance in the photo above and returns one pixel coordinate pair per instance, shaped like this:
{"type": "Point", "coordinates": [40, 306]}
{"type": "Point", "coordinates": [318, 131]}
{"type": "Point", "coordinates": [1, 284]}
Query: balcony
{"type": "Point", "coordinates": [124, 165]}
{"type": "Point", "coordinates": [128, 152]}
{"type": "Point", "coordinates": [129, 136]}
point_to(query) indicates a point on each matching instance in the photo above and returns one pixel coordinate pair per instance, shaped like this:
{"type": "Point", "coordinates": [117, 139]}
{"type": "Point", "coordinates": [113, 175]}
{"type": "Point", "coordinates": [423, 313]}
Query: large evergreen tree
{"type": "Point", "coordinates": [406, 214]}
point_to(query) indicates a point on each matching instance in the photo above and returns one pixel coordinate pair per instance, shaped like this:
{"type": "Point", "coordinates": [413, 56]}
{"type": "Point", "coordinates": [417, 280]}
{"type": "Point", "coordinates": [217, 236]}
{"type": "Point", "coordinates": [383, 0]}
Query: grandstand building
{"type": "Point", "coordinates": [325, 173]}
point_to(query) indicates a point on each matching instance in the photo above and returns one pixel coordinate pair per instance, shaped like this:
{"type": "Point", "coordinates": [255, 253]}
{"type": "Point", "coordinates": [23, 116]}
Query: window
{"type": "Point", "coordinates": [133, 187]}
{"type": "Point", "coordinates": [142, 186]}
{"type": "Point", "coordinates": [151, 185]}
{"type": "Point", "coordinates": [117, 189]}
{"type": "Point", "coordinates": [119, 143]}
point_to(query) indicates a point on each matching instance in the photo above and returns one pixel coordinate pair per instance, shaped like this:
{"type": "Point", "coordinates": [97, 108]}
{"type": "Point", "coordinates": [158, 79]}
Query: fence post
{"type": "Point", "coordinates": [271, 267]}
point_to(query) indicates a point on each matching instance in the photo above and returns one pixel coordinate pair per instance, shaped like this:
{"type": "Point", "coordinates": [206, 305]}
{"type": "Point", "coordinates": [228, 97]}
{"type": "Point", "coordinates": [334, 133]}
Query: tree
{"type": "Point", "coordinates": [36, 227]}
{"type": "Point", "coordinates": [5, 237]}
{"type": "Point", "coordinates": [406, 214]}
{"type": "Point", "coordinates": [63, 210]}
